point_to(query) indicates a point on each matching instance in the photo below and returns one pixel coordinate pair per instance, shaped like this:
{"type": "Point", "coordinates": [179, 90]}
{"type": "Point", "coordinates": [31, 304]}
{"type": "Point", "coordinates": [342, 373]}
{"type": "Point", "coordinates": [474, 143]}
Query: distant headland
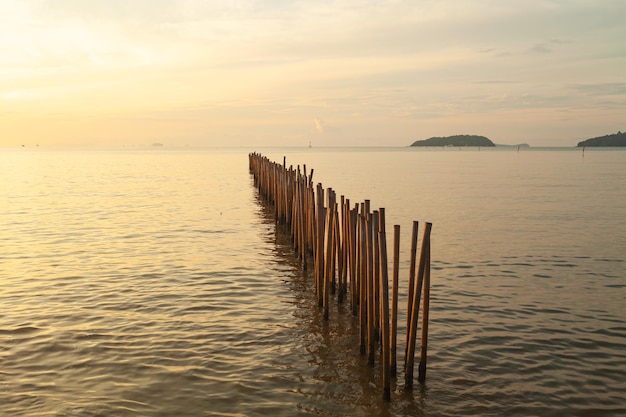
{"type": "Point", "coordinates": [616, 139]}
{"type": "Point", "coordinates": [456, 140]}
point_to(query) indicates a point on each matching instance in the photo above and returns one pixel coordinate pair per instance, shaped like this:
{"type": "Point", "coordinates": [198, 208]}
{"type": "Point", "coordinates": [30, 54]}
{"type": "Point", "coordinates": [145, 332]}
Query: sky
{"type": "Point", "coordinates": [288, 73]}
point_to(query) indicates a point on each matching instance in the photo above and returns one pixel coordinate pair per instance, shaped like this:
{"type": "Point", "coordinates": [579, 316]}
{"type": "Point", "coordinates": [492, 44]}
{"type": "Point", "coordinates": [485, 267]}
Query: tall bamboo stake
{"type": "Point", "coordinates": [409, 303]}
{"type": "Point", "coordinates": [371, 316]}
{"type": "Point", "coordinates": [343, 251]}
{"type": "Point", "coordinates": [329, 258]}
{"type": "Point", "coordinates": [319, 282]}
{"type": "Point", "coordinates": [302, 218]}
{"type": "Point", "coordinates": [394, 298]}
{"type": "Point", "coordinates": [408, 375]}
{"type": "Point", "coordinates": [354, 284]}
{"type": "Point", "coordinates": [363, 280]}
{"type": "Point", "coordinates": [376, 280]}
{"type": "Point", "coordinates": [421, 376]}
{"type": "Point", "coordinates": [384, 315]}
{"type": "Point", "coordinates": [334, 245]}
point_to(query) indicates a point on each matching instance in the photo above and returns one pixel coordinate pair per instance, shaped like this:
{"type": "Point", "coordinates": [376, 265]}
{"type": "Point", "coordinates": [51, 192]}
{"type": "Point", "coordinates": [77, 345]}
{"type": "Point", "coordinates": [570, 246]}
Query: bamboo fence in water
{"type": "Point", "coordinates": [347, 248]}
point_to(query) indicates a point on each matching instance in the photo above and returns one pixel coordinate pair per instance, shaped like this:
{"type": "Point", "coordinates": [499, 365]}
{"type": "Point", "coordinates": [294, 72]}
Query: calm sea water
{"type": "Point", "coordinates": [153, 282]}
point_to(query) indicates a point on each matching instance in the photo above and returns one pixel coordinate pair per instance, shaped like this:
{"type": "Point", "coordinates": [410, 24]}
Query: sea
{"type": "Point", "coordinates": [155, 282]}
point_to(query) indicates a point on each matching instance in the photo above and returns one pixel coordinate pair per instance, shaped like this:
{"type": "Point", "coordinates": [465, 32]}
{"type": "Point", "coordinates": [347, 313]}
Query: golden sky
{"type": "Point", "coordinates": [334, 73]}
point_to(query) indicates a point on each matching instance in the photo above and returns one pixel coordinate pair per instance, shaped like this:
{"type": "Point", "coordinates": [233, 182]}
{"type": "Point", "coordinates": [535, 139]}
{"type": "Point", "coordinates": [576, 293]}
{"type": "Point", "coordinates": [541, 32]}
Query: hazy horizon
{"type": "Point", "coordinates": [278, 73]}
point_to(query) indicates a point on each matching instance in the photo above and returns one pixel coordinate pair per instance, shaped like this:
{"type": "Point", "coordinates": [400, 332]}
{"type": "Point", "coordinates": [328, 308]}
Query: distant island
{"type": "Point", "coordinates": [456, 140]}
{"type": "Point", "coordinates": [616, 139]}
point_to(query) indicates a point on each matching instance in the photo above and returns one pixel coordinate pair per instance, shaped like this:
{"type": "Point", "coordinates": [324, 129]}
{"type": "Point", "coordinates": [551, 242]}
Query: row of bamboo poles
{"type": "Point", "coordinates": [348, 249]}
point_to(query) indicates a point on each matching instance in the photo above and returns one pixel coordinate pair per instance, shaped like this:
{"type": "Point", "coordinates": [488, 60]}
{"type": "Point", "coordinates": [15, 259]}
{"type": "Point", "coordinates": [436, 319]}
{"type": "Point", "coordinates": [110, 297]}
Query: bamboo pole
{"type": "Point", "coordinates": [409, 303]}
{"type": "Point", "coordinates": [371, 316]}
{"type": "Point", "coordinates": [421, 376]}
{"type": "Point", "coordinates": [312, 227]}
{"type": "Point", "coordinates": [394, 298]}
{"type": "Point", "coordinates": [319, 257]}
{"type": "Point", "coordinates": [302, 219]}
{"type": "Point", "coordinates": [295, 204]}
{"type": "Point", "coordinates": [362, 280]}
{"type": "Point", "coordinates": [381, 228]}
{"type": "Point", "coordinates": [311, 222]}
{"type": "Point", "coordinates": [329, 255]}
{"type": "Point", "coordinates": [343, 249]}
{"type": "Point", "coordinates": [330, 233]}
{"type": "Point", "coordinates": [408, 374]}
{"type": "Point", "coordinates": [376, 255]}
{"type": "Point", "coordinates": [384, 315]}
{"type": "Point", "coordinates": [354, 284]}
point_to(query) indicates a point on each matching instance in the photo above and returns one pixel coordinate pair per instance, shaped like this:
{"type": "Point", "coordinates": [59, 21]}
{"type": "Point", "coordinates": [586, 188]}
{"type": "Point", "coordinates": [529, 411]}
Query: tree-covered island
{"type": "Point", "coordinates": [456, 140]}
{"type": "Point", "coordinates": [616, 139]}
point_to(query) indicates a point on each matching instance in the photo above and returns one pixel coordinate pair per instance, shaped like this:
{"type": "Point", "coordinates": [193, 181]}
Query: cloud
{"type": "Point", "coordinates": [541, 48]}
{"type": "Point", "coordinates": [319, 125]}
{"type": "Point", "coordinates": [602, 89]}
